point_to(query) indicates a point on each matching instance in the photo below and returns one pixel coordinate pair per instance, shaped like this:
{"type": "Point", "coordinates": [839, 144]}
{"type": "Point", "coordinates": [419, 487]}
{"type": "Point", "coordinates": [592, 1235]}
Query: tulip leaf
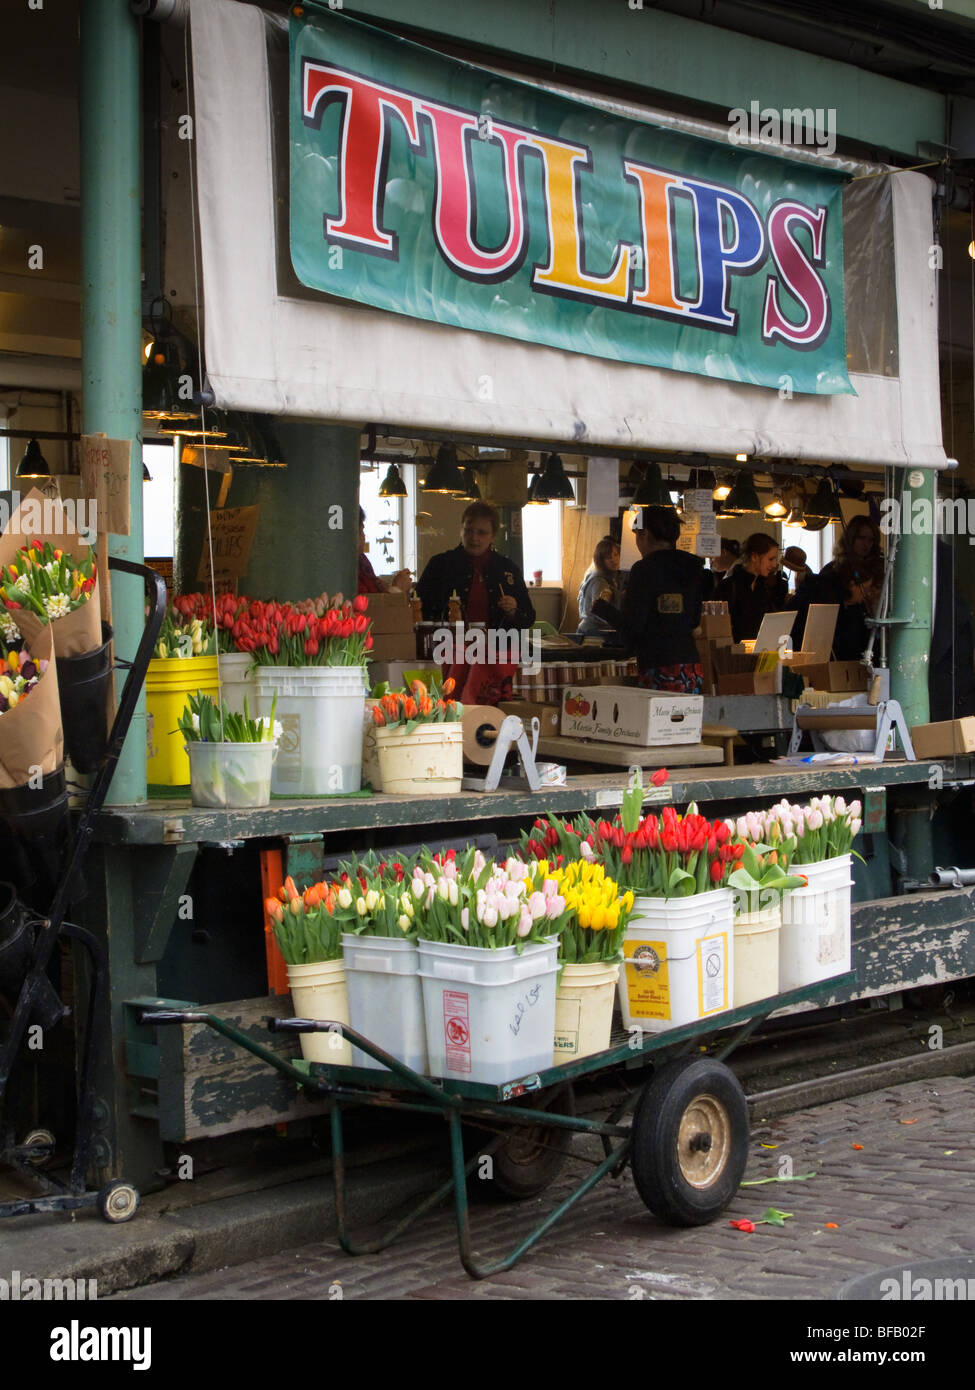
{"type": "Point", "coordinates": [774, 1217]}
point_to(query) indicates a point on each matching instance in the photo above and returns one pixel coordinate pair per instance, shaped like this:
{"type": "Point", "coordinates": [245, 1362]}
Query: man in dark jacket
{"type": "Point", "coordinates": [490, 587]}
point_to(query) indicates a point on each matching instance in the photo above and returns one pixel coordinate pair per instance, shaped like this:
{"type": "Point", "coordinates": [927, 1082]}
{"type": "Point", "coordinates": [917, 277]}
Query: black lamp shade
{"type": "Point", "coordinates": [652, 492]}
{"type": "Point", "coordinates": [471, 493]}
{"type": "Point", "coordinates": [824, 506]}
{"type": "Point", "coordinates": [445, 475]}
{"type": "Point", "coordinates": [392, 485]}
{"type": "Point", "coordinates": [535, 496]}
{"type": "Point", "coordinates": [554, 485]}
{"type": "Point", "coordinates": [742, 499]}
{"type": "Point", "coordinates": [33, 464]}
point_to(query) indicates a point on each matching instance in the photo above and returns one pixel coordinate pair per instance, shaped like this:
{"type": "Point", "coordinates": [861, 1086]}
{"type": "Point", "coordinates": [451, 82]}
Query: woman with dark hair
{"type": "Point", "coordinates": [853, 579]}
{"type": "Point", "coordinates": [601, 582]}
{"type": "Point", "coordinates": [753, 587]}
{"type": "Point", "coordinates": [662, 606]}
{"type": "Point", "coordinates": [490, 587]}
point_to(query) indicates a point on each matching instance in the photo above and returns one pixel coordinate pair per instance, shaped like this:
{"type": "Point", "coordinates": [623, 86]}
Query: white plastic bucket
{"type": "Point", "coordinates": [235, 682]}
{"type": "Point", "coordinates": [232, 775]}
{"type": "Point", "coordinates": [757, 954]}
{"type": "Point", "coordinates": [678, 960]}
{"type": "Point", "coordinates": [319, 991]}
{"type": "Point", "coordinates": [428, 761]}
{"type": "Point", "coordinates": [490, 1015]}
{"type": "Point", "coordinates": [816, 939]}
{"type": "Point", "coordinates": [386, 998]}
{"type": "Point", "coordinates": [320, 711]}
{"type": "Point", "coordinates": [584, 1009]}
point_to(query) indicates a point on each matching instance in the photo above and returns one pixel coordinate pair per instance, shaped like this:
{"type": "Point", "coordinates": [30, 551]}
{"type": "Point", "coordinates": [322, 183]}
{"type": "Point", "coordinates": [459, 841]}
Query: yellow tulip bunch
{"type": "Point", "coordinates": [598, 911]}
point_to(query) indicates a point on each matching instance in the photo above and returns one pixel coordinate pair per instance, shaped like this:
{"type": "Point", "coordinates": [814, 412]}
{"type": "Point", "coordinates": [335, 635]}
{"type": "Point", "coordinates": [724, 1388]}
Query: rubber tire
{"type": "Point", "coordinates": [43, 1140]}
{"type": "Point", "coordinates": [118, 1202]}
{"type": "Point", "coordinates": [516, 1175]}
{"type": "Point", "coordinates": [654, 1156]}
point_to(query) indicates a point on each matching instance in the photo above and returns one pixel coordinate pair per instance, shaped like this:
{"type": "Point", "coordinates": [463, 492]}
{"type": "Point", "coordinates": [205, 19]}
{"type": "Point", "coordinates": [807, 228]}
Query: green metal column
{"type": "Point", "coordinates": [111, 268]}
{"type": "Point", "coordinates": [912, 601]}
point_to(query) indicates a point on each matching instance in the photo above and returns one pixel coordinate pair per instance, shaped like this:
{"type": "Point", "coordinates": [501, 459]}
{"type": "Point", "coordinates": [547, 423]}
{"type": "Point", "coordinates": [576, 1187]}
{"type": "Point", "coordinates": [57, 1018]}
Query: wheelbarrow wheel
{"type": "Point", "coordinates": [118, 1202]}
{"type": "Point", "coordinates": [529, 1160]}
{"type": "Point", "coordinates": [690, 1141]}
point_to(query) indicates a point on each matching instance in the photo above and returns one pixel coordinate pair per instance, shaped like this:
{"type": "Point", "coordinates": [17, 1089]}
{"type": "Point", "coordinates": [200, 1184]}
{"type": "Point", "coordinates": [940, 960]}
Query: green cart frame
{"type": "Point", "coordinates": [687, 1144]}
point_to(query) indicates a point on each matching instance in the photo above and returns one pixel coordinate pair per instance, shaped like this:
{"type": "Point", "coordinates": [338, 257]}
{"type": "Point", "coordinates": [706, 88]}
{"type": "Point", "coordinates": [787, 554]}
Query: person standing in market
{"type": "Point", "coordinates": [489, 588]}
{"type": "Point", "coordinates": [754, 587]}
{"type": "Point", "coordinates": [602, 583]}
{"type": "Point", "coordinates": [853, 579]}
{"type": "Point", "coordinates": [662, 607]}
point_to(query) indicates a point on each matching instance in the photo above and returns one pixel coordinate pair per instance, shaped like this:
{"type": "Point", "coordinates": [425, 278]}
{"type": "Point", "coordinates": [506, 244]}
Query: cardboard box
{"type": "Point", "coordinates": [395, 646]}
{"type": "Point", "coordinates": [834, 675]}
{"type": "Point", "coordinates": [631, 715]}
{"type": "Point", "coordinates": [950, 738]}
{"type": "Point", "coordinates": [390, 613]}
{"type": "Point", "coordinates": [750, 683]}
{"type": "Point", "coordinates": [716, 626]}
{"type": "Point", "coordinates": [549, 716]}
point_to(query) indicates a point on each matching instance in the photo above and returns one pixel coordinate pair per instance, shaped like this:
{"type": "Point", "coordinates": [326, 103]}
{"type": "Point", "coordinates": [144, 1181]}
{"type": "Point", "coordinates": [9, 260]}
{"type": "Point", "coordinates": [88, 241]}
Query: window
{"type": "Point", "coordinates": [5, 465]}
{"type": "Point", "coordinates": [541, 542]}
{"type": "Point", "coordinates": [159, 501]}
{"type": "Point", "coordinates": [390, 521]}
{"type": "Point", "coordinates": [818, 545]}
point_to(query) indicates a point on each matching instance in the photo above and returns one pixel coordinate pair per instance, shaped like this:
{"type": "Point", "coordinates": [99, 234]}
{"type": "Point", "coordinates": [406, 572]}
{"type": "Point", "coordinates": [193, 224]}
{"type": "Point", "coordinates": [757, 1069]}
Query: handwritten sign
{"type": "Point", "coordinates": [232, 533]}
{"type": "Point", "coordinates": [105, 465]}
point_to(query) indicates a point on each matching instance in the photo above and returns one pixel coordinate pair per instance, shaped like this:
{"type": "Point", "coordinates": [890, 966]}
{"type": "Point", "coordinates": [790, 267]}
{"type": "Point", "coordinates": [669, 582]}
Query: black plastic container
{"type": "Point", "coordinates": [84, 684]}
{"type": "Point", "coordinates": [35, 838]}
{"type": "Point", "coordinates": [17, 927]}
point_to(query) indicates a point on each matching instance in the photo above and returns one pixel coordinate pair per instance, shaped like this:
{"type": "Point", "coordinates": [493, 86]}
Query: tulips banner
{"type": "Point", "coordinates": [433, 188]}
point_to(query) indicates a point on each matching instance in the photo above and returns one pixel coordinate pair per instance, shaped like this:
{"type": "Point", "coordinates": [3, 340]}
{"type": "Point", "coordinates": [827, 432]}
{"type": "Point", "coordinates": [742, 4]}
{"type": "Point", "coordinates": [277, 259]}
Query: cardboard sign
{"type": "Point", "coordinates": [232, 531]}
{"type": "Point", "coordinates": [105, 465]}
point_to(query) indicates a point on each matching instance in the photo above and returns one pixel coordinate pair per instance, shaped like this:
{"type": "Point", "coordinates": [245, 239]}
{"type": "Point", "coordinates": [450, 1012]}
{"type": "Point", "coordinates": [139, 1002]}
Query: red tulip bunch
{"type": "Point", "coordinates": [281, 635]}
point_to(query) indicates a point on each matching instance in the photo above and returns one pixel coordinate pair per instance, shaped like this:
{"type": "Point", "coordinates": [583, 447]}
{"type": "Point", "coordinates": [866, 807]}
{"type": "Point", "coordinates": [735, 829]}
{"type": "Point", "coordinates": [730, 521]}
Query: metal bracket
{"type": "Point", "coordinates": [512, 734]}
{"type": "Point", "coordinates": [887, 715]}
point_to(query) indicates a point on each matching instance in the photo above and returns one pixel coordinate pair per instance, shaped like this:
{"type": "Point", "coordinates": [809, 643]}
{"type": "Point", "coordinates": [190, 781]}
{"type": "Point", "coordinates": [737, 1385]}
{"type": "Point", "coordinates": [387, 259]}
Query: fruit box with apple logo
{"type": "Point", "coordinates": [626, 714]}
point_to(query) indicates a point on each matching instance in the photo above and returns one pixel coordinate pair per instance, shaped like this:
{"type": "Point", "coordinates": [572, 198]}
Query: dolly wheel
{"type": "Point", "coordinates": [532, 1158]}
{"type": "Point", "coordinates": [690, 1141]}
{"type": "Point", "coordinates": [118, 1202]}
{"type": "Point", "coordinates": [42, 1142]}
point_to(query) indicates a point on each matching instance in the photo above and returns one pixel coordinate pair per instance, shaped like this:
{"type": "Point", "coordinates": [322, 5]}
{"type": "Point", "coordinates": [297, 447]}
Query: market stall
{"type": "Point", "coordinates": [334, 178]}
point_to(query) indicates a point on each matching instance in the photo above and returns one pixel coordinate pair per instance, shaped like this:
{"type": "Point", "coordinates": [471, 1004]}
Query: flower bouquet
{"type": "Point", "coordinates": [309, 936]}
{"type": "Point", "coordinates": [186, 631]}
{"type": "Point", "coordinates": [284, 634]}
{"type": "Point", "coordinates": [230, 754]}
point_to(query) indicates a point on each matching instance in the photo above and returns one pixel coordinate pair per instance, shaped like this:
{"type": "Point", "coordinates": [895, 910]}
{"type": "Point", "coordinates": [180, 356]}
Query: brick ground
{"type": "Point", "coordinates": [908, 1193]}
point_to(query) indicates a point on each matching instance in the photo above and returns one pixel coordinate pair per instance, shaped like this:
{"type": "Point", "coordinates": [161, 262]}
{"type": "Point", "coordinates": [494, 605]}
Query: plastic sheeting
{"type": "Point", "coordinates": [273, 347]}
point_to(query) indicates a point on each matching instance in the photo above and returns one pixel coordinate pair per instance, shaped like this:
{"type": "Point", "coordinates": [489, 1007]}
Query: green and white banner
{"type": "Point", "coordinates": [429, 187]}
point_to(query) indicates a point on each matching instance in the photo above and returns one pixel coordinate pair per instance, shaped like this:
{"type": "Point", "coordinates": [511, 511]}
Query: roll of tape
{"type": "Point", "coordinates": [481, 724]}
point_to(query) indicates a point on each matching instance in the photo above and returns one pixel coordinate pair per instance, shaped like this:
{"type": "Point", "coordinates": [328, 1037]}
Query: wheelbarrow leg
{"type": "Point", "coordinates": [477, 1271]}
{"type": "Point", "coordinates": [381, 1242]}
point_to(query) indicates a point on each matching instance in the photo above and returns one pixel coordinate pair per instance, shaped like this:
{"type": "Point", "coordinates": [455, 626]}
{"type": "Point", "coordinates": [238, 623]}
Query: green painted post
{"type": "Point", "coordinates": [111, 258]}
{"type": "Point", "coordinates": [912, 599]}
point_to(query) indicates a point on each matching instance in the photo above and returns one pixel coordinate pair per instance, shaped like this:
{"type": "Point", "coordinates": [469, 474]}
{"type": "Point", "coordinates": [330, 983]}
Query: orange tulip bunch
{"type": "Point", "coordinates": [304, 924]}
{"type": "Point", "coordinates": [418, 705]}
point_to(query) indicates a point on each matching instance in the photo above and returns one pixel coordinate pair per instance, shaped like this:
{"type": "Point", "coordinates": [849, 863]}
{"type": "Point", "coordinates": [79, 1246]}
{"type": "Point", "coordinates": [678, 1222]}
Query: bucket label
{"type": "Point", "coordinates": [151, 749]}
{"type": "Point", "coordinates": [712, 974]}
{"type": "Point", "coordinates": [568, 1024]}
{"type": "Point", "coordinates": [829, 942]}
{"type": "Point", "coordinates": [647, 979]}
{"type": "Point", "coordinates": [287, 768]}
{"type": "Point", "coordinates": [457, 1030]}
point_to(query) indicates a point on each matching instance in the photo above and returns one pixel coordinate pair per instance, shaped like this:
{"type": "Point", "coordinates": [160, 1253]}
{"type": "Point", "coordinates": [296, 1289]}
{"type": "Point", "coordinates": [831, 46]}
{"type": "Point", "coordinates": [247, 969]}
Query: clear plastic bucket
{"type": "Point", "coordinates": [318, 991]}
{"type": "Point", "coordinates": [678, 960]}
{"type": "Point", "coordinates": [386, 998]}
{"type": "Point", "coordinates": [490, 1015]}
{"type": "Point", "coordinates": [816, 936]}
{"type": "Point", "coordinates": [320, 711]}
{"type": "Point", "coordinates": [584, 1009]}
{"type": "Point", "coordinates": [231, 775]}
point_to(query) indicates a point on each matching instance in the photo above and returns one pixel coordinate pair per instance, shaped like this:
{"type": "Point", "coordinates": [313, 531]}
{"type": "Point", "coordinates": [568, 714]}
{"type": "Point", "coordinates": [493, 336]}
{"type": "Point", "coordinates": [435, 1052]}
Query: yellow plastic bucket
{"type": "Point", "coordinates": [169, 681]}
{"type": "Point", "coordinates": [584, 1009]}
{"type": "Point", "coordinates": [757, 954]}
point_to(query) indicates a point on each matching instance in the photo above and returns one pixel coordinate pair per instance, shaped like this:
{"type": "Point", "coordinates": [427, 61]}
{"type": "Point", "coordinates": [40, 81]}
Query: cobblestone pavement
{"type": "Point", "coordinates": [894, 1182]}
